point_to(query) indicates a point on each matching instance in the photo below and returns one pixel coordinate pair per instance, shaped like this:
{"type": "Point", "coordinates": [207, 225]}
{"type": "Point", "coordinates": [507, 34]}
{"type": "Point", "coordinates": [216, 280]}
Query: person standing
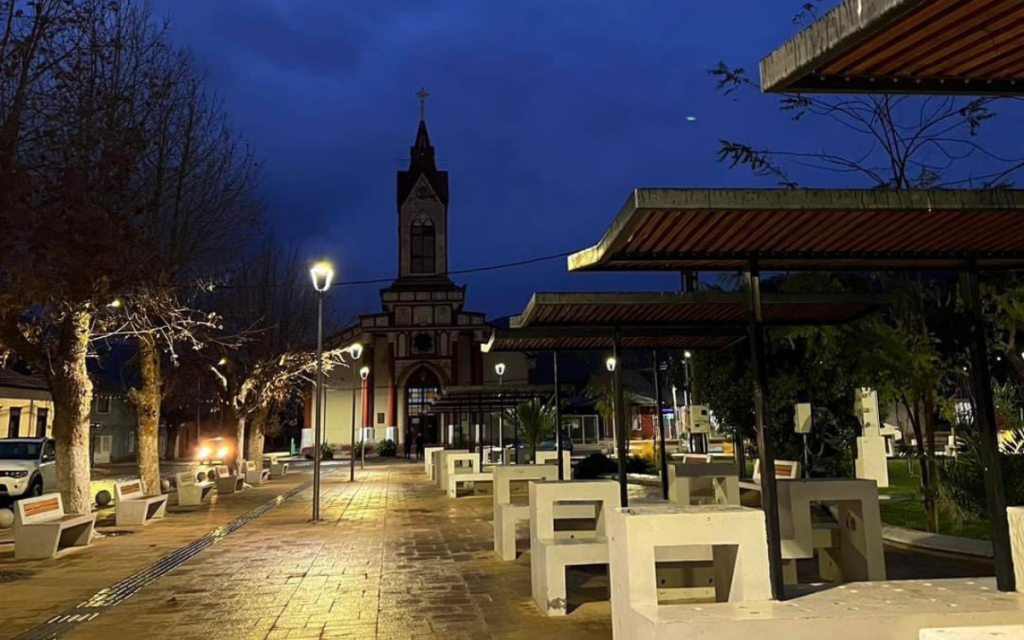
{"type": "Point", "coordinates": [419, 445]}
{"type": "Point", "coordinates": [408, 444]}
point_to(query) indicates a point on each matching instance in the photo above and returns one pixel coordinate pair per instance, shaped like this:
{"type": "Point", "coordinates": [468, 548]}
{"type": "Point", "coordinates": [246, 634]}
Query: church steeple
{"type": "Point", "coordinates": [422, 209]}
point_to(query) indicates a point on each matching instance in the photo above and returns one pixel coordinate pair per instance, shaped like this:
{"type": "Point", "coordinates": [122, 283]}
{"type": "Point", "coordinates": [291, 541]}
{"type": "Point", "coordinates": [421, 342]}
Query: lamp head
{"type": "Point", "coordinates": [322, 274]}
{"type": "Point", "coordinates": [356, 350]}
{"type": "Point", "coordinates": [222, 362]}
{"type": "Point", "coordinates": [499, 369]}
{"type": "Point", "coordinates": [610, 363]}
{"type": "Point", "coordinates": [687, 355]}
{"type": "Point", "coordinates": [114, 304]}
{"type": "Point", "coordinates": [364, 373]}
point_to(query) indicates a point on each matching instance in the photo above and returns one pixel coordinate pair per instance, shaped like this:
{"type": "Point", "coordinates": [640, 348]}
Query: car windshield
{"type": "Point", "coordinates": [20, 450]}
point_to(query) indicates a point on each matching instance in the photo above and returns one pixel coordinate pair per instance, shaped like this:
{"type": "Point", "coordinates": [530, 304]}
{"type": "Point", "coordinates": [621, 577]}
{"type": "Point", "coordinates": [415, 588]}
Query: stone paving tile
{"type": "Point", "coordinates": [58, 584]}
{"type": "Point", "coordinates": [394, 560]}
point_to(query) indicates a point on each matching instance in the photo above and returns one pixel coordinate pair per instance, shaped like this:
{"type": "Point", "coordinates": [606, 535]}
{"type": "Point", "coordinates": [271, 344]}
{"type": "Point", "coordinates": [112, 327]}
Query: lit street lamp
{"type": "Point", "coordinates": [356, 351]}
{"type": "Point", "coordinates": [500, 370]}
{"type": "Point", "coordinates": [364, 373]}
{"type": "Point", "coordinates": [322, 274]}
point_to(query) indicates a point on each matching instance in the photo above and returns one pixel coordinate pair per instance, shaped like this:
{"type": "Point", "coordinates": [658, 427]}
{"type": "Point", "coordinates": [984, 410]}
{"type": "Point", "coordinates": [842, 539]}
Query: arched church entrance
{"type": "Point", "coordinates": [422, 388]}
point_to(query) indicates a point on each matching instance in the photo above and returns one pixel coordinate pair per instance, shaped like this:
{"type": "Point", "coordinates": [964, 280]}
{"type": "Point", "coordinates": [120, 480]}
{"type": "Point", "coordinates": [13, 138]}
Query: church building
{"type": "Point", "coordinates": [423, 339]}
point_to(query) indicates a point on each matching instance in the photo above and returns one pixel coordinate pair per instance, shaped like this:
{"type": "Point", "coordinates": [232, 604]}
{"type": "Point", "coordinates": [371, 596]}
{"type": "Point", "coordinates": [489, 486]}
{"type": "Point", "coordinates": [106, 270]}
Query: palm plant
{"type": "Point", "coordinates": [536, 422]}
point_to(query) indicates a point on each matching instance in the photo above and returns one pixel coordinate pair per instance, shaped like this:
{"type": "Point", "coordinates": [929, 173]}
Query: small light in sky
{"type": "Point", "coordinates": [691, 118]}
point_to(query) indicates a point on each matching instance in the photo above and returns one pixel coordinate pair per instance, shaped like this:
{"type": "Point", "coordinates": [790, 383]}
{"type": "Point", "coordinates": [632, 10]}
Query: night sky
{"type": "Point", "coordinates": [546, 113]}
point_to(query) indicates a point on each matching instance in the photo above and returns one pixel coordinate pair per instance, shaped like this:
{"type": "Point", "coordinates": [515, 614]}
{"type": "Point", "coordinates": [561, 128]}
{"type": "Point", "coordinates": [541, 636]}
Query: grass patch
{"type": "Point", "coordinates": [905, 509]}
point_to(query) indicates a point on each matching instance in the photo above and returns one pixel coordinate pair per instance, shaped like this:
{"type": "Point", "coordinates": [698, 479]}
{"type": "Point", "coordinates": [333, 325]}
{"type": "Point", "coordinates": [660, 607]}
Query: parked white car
{"type": "Point", "coordinates": [27, 467]}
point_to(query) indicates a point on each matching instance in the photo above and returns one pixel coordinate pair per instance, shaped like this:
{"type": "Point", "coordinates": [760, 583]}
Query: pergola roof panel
{"type": "Point", "coordinates": [674, 229]}
{"type": "Point", "coordinates": [905, 46]}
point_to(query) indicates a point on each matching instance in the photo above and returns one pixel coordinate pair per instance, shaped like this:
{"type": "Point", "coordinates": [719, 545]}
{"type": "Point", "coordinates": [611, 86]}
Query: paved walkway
{"type": "Point", "coordinates": [394, 559]}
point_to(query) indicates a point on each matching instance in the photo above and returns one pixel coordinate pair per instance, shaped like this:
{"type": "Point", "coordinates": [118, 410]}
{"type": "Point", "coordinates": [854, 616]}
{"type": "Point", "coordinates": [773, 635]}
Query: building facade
{"type": "Point", "coordinates": [26, 407]}
{"type": "Point", "coordinates": [423, 339]}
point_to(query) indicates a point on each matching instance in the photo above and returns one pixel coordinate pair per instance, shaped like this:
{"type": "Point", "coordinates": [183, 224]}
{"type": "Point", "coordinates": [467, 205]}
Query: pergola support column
{"type": "Point", "coordinates": [985, 415]}
{"type": "Point", "coordinates": [558, 418]}
{"type": "Point", "coordinates": [620, 419]}
{"type": "Point", "coordinates": [765, 446]}
{"type": "Point", "coordinates": [661, 427]}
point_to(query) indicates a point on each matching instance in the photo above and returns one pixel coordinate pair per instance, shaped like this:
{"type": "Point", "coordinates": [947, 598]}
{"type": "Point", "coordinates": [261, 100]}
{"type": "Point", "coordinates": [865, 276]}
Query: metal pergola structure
{"type": "Point", "coordinates": [478, 400]}
{"type": "Point", "coordinates": [967, 47]}
{"type": "Point", "coordinates": [613, 322]}
{"type": "Point", "coordinates": [750, 230]}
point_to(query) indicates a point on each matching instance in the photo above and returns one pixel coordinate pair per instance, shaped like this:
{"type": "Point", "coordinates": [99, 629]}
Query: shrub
{"type": "Point", "coordinates": [327, 451]}
{"type": "Point", "coordinates": [639, 464]}
{"type": "Point", "coordinates": [387, 448]}
{"type": "Point", "coordinates": [594, 466]}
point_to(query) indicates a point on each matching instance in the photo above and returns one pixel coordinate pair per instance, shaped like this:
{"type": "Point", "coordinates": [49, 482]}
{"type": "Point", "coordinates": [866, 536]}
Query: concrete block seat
{"type": "Point", "coordinates": [549, 457]}
{"type": "Point", "coordinates": [463, 469]}
{"type": "Point", "coordinates": [509, 513]}
{"type": "Point", "coordinates": [277, 468]}
{"type": "Point", "coordinates": [227, 483]}
{"type": "Point", "coordinates": [784, 470]}
{"type": "Point", "coordinates": [428, 460]}
{"type": "Point", "coordinates": [890, 610]}
{"type": "Point", "coordinates": [132, 507]}
{"type": "Point", "coordinates": [694, 479]}
{"type": "Point", "coordinates": [41, 528]}
{"type": "Point", "coordinates": [192, 493]}
{"type": "Point", "coordinates": [551, 555]}
{"type": "Point", "coordinates": [439, 465]}
{"type": "Point", "coordinates": [640, 537]}
{"type": "Point", "coordinates": [255, 475]}
{"type": "Point", "coordinates": [848, 544]}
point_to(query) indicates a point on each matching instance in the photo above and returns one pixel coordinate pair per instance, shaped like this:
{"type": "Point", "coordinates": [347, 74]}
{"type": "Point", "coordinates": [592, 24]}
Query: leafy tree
{"type": "Point", "coordinates": [536, 422]}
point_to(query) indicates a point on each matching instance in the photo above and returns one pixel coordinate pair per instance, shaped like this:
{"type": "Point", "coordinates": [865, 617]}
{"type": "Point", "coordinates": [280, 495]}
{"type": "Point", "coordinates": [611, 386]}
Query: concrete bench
{"type": "Point", "coordinates": [41, 528]}
{"type": "Point", "coordinates": [274, 464]}
{"type": "Point", "coordinates": [1009, 632]}
{"type": "Point", "coordinates": [132, 507]}
{"type": "Point", "coordinates": [227, 483]}
{"type": "Point", "coordinates": [428, 460]}
{"type": "Point", "coordinates": [549, 457]}
{"type": "Point", "coordinates": [192, 493]}
{"type": "Point", "coordinates": [551, 555]}
{"type": "Point", "coordinates": [463, 469]}
{"type": "Point", "coordinates": [784, 470]}
{"type": "Point", "coordinates": [697, 480]}
{"type": "Point", "coordinates": [506, 514]}
{"type": "Point", "coordinates": [848, 543]}
{"type": "Point", "coordinates": [255, 475]}
{"type": "Point", "coordinates": [641, 537]}
{"type": "Point", "coordinates": [440, 465]}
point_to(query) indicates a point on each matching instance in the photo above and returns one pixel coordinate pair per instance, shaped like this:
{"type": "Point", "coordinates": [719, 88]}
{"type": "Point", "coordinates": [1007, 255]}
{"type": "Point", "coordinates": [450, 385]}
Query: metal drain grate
{"type": "Point", "coordinates": [116, 533]}
{"type": "Point", "coordinates": [118, 593]}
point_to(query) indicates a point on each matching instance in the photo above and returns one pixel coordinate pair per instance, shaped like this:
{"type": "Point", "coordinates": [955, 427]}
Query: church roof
{"type": "Point", "coordinates": [422, 162]}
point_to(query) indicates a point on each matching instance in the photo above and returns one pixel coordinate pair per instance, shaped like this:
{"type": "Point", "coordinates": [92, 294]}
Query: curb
{"type": "Point", "coordinates": [937, 542]}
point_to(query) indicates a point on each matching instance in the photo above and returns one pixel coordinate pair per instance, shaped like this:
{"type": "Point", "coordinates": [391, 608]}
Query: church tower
{"type": "Point", "coordinates": [422, 213]}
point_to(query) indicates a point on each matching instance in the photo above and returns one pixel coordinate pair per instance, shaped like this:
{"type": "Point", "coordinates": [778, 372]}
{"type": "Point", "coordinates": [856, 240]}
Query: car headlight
{"type": "Point", "coordinates": [222, 453]}
{"type": "Point", "coordinates": [204, 453]}
{"type": "Point", "coordinates": [13, 474]}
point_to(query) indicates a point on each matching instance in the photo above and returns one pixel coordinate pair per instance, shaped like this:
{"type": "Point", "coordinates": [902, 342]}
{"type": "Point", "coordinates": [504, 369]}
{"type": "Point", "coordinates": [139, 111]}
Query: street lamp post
{"type": "Point", "coordinates": [364, 373]}
{"type": "Point", "coordinates": [500, 370]}
{"type": "Point", "coordinates": [322, 274]}
{"type": "Point", "coordinates": [356, 351]}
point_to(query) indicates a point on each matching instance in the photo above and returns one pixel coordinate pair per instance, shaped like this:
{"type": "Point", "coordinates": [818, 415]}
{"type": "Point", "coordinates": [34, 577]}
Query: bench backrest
{"type": "Point", "coordinates": [130, 490]}
{"type": "Point", "coordinates": [185, 479]}
{"type": "Point", "coordinates": [504, 476]}
{"type": "Point", "coordinates": [40, 509]}
{"type": "Point", "coordinates": [250, 465]}
{"type": "Point", "coordinates": [784, 470]}
{"type": "Point", "coordinates": [696, 458]}
{"type": "Point", "coordinates": [223, 471]}
{"type": "Point", "coordinates": [545, 495]}
{"type": "Point", "coordinates": [472, 458]}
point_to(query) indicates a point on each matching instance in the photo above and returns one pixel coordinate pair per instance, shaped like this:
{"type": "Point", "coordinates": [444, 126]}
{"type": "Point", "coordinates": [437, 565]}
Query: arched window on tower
{"type": "Point", "coordinates": [422, 245]}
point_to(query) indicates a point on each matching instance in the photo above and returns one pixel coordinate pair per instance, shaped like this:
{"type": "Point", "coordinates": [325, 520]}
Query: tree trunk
{"type": "Point", "coordinates": [931, 497]}
{"type": "Point", "coordinates": [257, 432]}
{"type": "Point", "coordinates": [239, 439]}
{"type": "Point", "coordinates": [147, 410]}
{"type": "Point", "coordinates": [72, 399]}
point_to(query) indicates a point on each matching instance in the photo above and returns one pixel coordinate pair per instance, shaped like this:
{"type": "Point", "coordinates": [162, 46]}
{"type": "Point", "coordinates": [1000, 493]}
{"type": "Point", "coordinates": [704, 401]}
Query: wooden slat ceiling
{"type": "Point", "coordinates": [905, 46]}
{"type": "Point", "coordinates": [672, 229]}
{"type": "Point", "coordinates": [665, 310]}
{"type": "Point", "coordinates": [509, 341]}
{"type": "Point", "coordinates": [488, 396]}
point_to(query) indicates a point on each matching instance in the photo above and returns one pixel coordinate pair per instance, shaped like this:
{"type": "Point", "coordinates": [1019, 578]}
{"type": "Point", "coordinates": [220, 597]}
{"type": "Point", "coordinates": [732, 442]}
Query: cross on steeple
{"type": "Point", "coordinates": [423, 94]}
